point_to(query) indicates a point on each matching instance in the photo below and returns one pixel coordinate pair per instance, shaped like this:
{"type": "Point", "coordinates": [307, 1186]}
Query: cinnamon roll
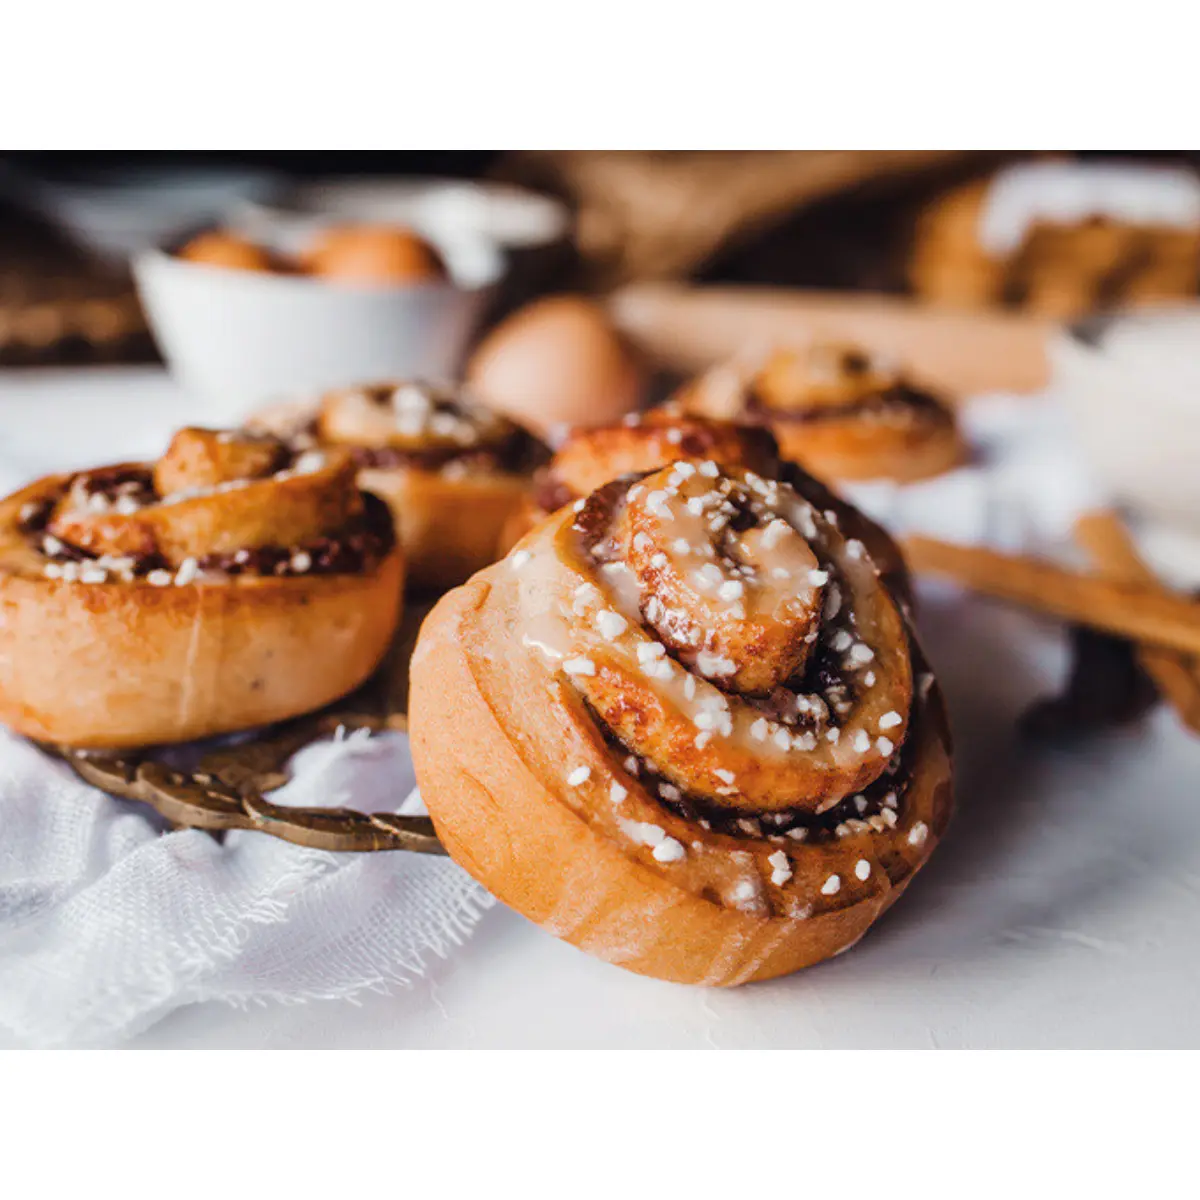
{"type": "Point", "coordinates": [1062, 239]}
{"type": "Point", "coordinates": [704, 743]}
{"type": "Point", "coordinates": [837, 411]}
{"type": "Point", "coordinates": [232, 583]}
{"type": "Point", "coordinates": [452, 471]}
{"type": "Point", "coordinates": [588, 458]}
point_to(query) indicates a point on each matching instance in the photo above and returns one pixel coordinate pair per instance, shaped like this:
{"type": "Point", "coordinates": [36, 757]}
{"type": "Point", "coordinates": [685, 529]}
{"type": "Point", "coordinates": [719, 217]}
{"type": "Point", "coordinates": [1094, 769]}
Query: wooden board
{"type": "Point", "coordinates": [687, 329]}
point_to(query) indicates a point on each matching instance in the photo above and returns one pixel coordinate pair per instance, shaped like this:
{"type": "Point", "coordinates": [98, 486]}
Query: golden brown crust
{"type": "Point", "coordinates": [114, 651]}
{"type": "Point", "coordinates": [205, 458]}
{"type": "Point", "coordinates": [854, 451]}
{"type": "Point", "coordinates": [590, 457]}
{"type": "Point", "coordinates": [454, 474]}
{"type": "Point", "coordinates": [119, 665]}
{"type": "Point", "coordinates": [450, 526]}
{"type": "Point", "coordinates": [523, 516]}
{"type": "Point", "coordinates": [541, 808]}
{"type": "Point", "coordinates": [837, 412]}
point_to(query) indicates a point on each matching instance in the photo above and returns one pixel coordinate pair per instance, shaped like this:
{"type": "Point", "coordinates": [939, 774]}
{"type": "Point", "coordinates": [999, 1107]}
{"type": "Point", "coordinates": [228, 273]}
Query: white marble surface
{"type": "Point", "coordinates": [1059, 911]}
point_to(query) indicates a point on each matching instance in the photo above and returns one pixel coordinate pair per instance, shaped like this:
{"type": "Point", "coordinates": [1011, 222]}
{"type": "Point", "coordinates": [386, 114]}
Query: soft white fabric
{"type": "Point", "coordinates": [107, 923]}
{"type": "Point", "coordinates": [1022, 490]}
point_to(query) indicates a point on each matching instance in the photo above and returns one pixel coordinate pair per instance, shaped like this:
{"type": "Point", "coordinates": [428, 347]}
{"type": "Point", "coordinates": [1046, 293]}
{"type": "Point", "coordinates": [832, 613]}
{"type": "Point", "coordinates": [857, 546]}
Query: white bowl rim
{"type": "Point", "coordinates": [557, 212]}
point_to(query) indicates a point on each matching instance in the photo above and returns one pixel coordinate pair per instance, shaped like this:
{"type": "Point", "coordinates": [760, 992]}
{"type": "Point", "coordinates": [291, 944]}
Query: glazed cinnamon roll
{"type": "Point", "coordinates": [1062, 239]}
{"type": "Point", "coordinates": [232, 583]}
{"type": "Point", "coordinates": [838, 412]}
{"type": "Point", "coordinates": [705, 745]}
{"type": "Point", "coordinates": [452, 471]}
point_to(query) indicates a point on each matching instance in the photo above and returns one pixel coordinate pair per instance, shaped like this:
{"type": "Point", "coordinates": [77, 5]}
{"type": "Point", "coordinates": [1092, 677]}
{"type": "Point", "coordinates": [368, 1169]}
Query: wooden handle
{"type": "Point", "coordinates": [1133, 610]}
{"type": "Point", "coordinates": [1107, 543]}
{"type": "Point", "coordinates": [959, 352]}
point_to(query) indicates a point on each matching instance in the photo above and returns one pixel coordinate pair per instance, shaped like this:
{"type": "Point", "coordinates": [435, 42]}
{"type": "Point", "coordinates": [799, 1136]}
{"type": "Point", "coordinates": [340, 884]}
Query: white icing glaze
{"type": "Point", "coordinates": [563, 631]}
{"type": "Point", "coordinates": [1067, 193]}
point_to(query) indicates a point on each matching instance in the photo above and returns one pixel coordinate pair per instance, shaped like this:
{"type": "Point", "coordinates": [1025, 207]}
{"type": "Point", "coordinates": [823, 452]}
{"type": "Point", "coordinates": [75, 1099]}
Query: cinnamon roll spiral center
{"type": "Point", "coordinates": [211, 493]}
{"type": "Point", "coordinates": [733, 590]}
{"type": "Point", "coordinates": [727, 634]}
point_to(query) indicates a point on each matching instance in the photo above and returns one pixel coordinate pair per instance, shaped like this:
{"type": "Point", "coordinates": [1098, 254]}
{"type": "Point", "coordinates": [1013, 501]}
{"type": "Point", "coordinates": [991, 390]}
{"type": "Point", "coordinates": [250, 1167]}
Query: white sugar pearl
{"type": "Point", "coordinates": [611, 624]}
{"type": "Point", "coordinates": [669, 850]}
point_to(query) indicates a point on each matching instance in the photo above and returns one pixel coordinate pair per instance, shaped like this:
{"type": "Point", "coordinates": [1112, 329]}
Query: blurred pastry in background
{"type": "Point", "coordinates": [557, 363]}
{"type": "Point", "coordinates": [452, 471]}
{"type": "Point", "coordinates": [1062, 239]}
{"type": "Point", "coordinates": [591, 457]}
{"type": "Point", "coordinates": [837, 410]}
{"type": "Point", "coordinates": [221, 248]}
{"type": "Point", "coordinates": [373, 254]}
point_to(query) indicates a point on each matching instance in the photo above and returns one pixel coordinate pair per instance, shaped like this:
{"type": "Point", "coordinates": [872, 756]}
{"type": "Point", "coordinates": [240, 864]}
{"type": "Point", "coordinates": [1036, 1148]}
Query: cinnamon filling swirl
{"type": "Point", "coordinates": [730, 638]}
{"type": "Point", "coordinates": [820, 385]}
{"type": "Point", "coordinates": [589, 458]}
{"type": "Point", "coordinates": [898, 404]}
{"type": "Point", "coordinates": [417, 425]}
{"type": "Point", "coordinates": [876, 809]}
{"type": "Point", "coordinates": [216, 505]}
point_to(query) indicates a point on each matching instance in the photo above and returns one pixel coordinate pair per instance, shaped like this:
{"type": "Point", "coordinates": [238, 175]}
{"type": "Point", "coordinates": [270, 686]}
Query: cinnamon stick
{"type": "Point", "coordinates": [1133, 610]}
{"type": "Point", "coordinates": [1105, 539]}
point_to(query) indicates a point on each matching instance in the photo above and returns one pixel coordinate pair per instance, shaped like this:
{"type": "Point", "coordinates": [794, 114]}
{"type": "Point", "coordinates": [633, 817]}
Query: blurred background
{"type": "Point", "coordinates": [889, 222]}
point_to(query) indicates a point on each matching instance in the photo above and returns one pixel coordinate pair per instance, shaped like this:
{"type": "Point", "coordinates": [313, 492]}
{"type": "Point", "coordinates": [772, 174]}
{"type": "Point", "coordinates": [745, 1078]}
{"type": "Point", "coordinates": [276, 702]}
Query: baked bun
{"type": "Point", "coordinates": [704, 744]}
{"type": "Point", "coordinates": [838, 411]}
{"type": "Point", "coordinates": [1062, 239]}
{"type": "Point", "coordinates": [588, 458]}
{"type": "Point", "coordinates": [452, 471]}
{"type": "Point", "coordinates": [231, 584]}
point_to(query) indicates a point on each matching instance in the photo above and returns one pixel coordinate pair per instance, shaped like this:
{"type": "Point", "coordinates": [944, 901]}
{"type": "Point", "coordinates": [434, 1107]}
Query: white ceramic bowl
{"type": "Point", "coordinates": [236, 339]}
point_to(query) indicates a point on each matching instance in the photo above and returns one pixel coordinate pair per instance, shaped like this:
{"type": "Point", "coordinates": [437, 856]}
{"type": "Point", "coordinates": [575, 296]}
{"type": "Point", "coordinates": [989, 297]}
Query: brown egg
{"type": "Point", "coordinates": [377, 254]}
{"type": "Point", "coordinates": [218, 248]}
{"type": "Point", "coordinates": [557, 362]}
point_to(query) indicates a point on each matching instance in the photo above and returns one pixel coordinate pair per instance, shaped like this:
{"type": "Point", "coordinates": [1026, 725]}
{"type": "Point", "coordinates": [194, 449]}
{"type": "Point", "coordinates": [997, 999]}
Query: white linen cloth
{"type": "Point", "coordinates": [107, 923]}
